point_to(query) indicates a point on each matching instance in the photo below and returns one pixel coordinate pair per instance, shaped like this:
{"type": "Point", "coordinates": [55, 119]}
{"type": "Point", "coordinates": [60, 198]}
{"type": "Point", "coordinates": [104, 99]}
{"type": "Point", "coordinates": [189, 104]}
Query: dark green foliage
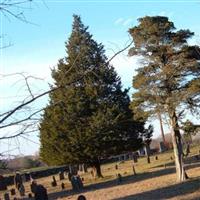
{"type": "Point", "coordinates": [147, 135]}
{"type": "Point", "coordinates": [190, 128]}
{"type": "Point", "coordinates": [89, 118]}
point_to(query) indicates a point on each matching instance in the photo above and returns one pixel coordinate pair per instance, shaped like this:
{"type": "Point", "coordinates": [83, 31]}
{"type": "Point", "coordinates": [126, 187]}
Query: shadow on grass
{"type": "Point", "coordinates": [133, 179]}
{"type": "Point", "coordinates": [167, 192]}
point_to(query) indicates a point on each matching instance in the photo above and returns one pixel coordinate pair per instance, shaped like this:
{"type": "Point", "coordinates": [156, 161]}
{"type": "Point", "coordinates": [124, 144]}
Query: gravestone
{"type": "Point", "coordinates": [18, 180]}
{"type": "Point", "coordinates": [116, 166]}
{"type": "Point", "coordinates": [22, 190]}
{"type": "Point", "coordinates": [162, 147]}
{"type": "Point", "coordinates": [41, 193]}
{"type": "Point", "coordinates": [119, 178]}
{"type": "Point", "coordinates": [54, 183]}
{"type": "Point", "coordinates": [29, 195]}
{"type": "Point", "coordinates": [62, 186]}
{"type": "Point", "coordinates": [12, 192]}
{"type": "Point", "coordinates": [61, 176]}
{"type": "Point", "coordinates": [33, 186]}
{"type": "Point", "coordinates": [6, 196]}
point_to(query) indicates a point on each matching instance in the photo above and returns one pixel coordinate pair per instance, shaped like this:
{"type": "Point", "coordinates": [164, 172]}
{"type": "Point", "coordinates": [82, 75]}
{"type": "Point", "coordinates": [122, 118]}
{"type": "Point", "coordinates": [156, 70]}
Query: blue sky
{"type": "Point", "coordinates": [37, 48]}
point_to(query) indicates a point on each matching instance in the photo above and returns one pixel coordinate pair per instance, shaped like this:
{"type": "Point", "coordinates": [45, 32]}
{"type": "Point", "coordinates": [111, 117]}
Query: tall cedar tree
{"type": "Point", "coordinates": [169, 80]}
{"type": "Point", "coordinates": [90, 119]}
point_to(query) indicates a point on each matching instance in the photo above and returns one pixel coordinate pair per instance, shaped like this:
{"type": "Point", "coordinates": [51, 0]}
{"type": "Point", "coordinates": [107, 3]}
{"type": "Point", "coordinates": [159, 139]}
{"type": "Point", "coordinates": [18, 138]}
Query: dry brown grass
{"type": "Point", "coordinates": [153, 181]}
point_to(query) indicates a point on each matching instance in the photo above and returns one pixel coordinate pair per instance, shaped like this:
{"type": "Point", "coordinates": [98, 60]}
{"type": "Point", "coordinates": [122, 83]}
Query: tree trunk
{"type": "Point", "coordinates": [161, 128]}
{"type": "Point", "coordinates": [147, 151]}
{"type": "Point", "coordinates": [178, 149]}
{"type": "Point", "coordinates": [97, 167]}
{"type": "Point", "coordinates": [148, 159]}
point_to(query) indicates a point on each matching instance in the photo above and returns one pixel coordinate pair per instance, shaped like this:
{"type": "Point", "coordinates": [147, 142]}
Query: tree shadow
{"type": "Point", "coordinates": [167, 192]}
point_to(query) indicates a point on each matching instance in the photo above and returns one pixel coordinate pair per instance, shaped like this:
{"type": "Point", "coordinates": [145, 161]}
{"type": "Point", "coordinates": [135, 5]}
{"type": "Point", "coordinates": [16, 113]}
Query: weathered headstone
{"type": "Point", "coordinates": [62, 186]}
{"type": "Point", "coordinates": [119, 178]}
{"type": "Point", "coordinates": [61, 176]}
{"type": "Point", "coordinates": [41, 193]}
{"type": "Point", "coordinates": [33, 186]}
{"type": "Point", "coordinates": [116, 166]}
{"type": "Point", "coordinates": [54, 183]}
{"type": "Point", "coordinates": [81, 197]}
{"type": "Point", "coordinates": [12, 192]}
{"type": "Point", "coordinates": [29, 195]}
{"type": "Point", "coordinates": [6, 196]}
{"type": "Point", "coordinates": [162, 147]}
{"type": "Point", "coordinates": [79, 182]}
{"type": "Point", "coordinates": [18, 180]}
{"type": "Point", "coordinates": [22, 190]}
{"type": "Point", "coordinates": [156, 157]}
{"type": "Point", "coordinates": [92, 173]}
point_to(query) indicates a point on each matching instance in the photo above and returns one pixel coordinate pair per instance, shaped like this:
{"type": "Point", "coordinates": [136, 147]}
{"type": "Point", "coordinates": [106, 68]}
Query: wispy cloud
{"type": "Point", "coordinates": [123, 21]}
{"type": "Point", "coordinates": [165, 13]}
{"type": "Point", "coordinates": [119, 20]}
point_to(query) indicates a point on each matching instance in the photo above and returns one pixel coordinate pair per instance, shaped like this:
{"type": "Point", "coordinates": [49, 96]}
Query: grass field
{"type": "Point", "coordinates": [153, 181]}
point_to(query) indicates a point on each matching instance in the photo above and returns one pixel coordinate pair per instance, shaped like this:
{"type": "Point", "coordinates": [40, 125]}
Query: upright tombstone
{"type": "Point", "coordinates": [22, 190]}
{"type": "Point", "coordinates": [54, 182]}
{"type": "Point", "coordinates": [41, 193]}
{"type": "Point", "coordinates": [162, 147]}
{"type": "Point", "coordinates": [116, 166]}
{"type": "Point", "coordinates": [12, 192]}
{"type": "Point", "coordinates": [6, 196]}
{"type": "Point", "coordinates": [62, 186]}
{"type": "Point", "coordinates": [18, 180]}
{"type": "Point", "coordinates": [119, 178]}
{"type": "Point", "coordinates": [61, 175]}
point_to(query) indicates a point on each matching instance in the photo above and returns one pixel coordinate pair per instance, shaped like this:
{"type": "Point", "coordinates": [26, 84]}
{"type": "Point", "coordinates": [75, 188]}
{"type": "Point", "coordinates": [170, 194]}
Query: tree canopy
{"type": "Point", "coordinates": [169, 80]}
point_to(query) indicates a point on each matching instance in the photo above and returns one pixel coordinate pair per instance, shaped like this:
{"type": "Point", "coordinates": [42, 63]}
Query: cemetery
{"type": "Point", "coordinates": [159, 172]}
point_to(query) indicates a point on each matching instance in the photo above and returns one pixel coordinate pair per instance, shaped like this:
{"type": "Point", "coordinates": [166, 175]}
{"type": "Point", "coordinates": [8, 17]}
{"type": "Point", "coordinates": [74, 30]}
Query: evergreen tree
{"type": "Point", "coordinates": [169, 80]}
{"type": "Point", "coordinates": [89, 117]}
